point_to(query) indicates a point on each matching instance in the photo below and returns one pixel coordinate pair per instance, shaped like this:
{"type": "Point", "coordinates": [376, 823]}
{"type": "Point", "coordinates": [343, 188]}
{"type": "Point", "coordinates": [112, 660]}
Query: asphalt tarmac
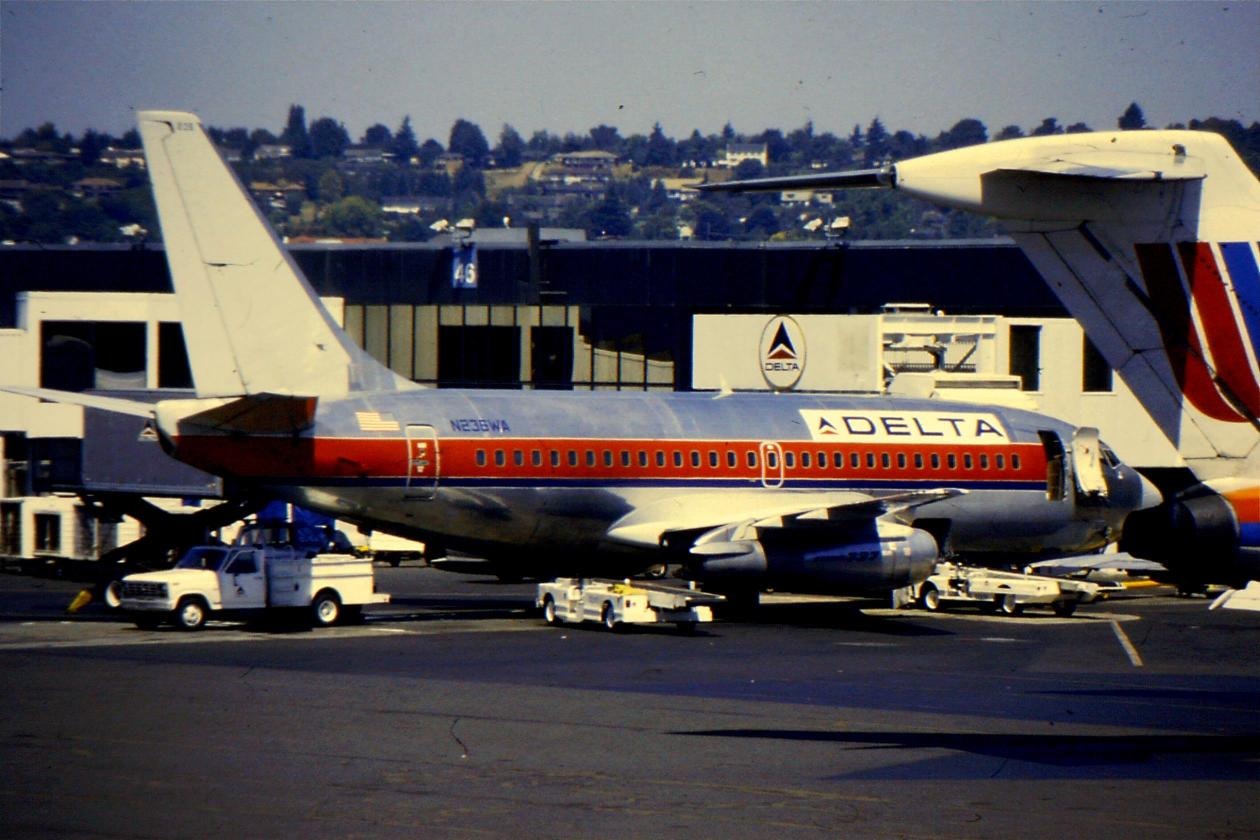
{"type": "Point", "coordinates": [454, 712]}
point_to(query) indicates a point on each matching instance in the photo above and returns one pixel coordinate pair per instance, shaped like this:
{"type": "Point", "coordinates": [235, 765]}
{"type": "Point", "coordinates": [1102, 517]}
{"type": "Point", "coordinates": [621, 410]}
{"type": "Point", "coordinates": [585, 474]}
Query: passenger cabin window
{"type": "Point", "coordinates": [732, 460]}
{"type": "Point", "coordinates": [535, 457]}
{"type": "Point", "coordinates": [789, 460]}
{"type": "Point", "coordinates": [984, 462]}
{"type": "Point", "coordinates": [752, 460]}
{"type": "Point", "coordinates": [805, 461]}
{"type": "Point", "coordinates": [499, 458]}
{"type": "Point", "coordinates": [660, 458]}
{"type": "Point", "coordinates": [1014, 462]}
{"type": "Point", "coordinates": [901, 460]}
{"type": "Point", "coordinates": [695, 458]}
{"type": "Point", "coordinates": [967, 460]}
{"type": "Point", "coordinates": [625, 457]}
{"type": "Point", "coordinates": [518, 457]}
{"type": "Point", "coordinates": [555, 457]}
{"type": "Point", "coordinates": [590, 457]}
{"type": "Point", "coordinates": [838, 459]}
{"type": "Point", "coordinates": [999, 461]}
{"type": "Point", "coordinates": [573, 458]}
{"type": "Point", "coordinates": [643, 458]}
{"type": "Point", "coordinates": [936, 461]}
{"type": "Point", "coordinates": [608, 458]}
{"type": "Point", "coordinates": [713, 458]}
{"type": "Point", "coordinates": [952, 460]}
{"type": "Point", "coordinates": [885, 461]}
{"type": "Point", "coordinates": [678, 461]}
{"type": "Point", "coordinates": [855, 460]}
{"type": "Point", "coordinates": [481, 457]}
{"type": "Point", "coordinates": [918, 461]}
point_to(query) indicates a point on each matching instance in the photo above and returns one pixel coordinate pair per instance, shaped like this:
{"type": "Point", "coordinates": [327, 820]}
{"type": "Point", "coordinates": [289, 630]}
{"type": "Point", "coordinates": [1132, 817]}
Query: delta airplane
{"type": "Point", "coordinates": [1150, 240]}
{"type": "Point", "coordinates": [749, 491]}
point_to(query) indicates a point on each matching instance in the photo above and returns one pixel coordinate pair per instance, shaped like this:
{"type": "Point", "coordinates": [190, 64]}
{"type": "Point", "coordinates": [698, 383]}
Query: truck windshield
{"type": "Point", "coordinates": [210, 559]}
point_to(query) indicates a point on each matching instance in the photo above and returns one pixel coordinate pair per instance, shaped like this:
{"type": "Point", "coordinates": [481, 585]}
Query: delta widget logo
{"type": "Point", "coordinates": [782, 353]}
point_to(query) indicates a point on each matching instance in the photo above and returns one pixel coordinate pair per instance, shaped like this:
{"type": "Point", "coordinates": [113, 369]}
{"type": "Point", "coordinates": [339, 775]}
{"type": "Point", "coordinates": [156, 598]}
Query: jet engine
{"type": "Point", "coordinates": [859, 558]}
{"type": "Point", "coordinates": [1196, 537]}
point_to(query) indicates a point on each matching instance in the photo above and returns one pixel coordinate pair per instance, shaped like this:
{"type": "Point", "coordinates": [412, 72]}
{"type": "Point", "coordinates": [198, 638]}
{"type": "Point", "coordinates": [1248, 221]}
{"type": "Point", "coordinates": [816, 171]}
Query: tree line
{"type": "Point", "coordinates": [334, 199]}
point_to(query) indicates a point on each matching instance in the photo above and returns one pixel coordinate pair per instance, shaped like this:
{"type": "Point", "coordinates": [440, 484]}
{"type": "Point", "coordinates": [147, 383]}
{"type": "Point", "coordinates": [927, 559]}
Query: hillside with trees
{"type": "Point", "coordinates": [313, 180]}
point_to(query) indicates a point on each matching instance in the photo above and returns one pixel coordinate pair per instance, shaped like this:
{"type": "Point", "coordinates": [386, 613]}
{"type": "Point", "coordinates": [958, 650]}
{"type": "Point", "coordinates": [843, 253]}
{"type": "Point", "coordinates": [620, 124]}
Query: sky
{"type": "Point", "coordinates": [568, 66]}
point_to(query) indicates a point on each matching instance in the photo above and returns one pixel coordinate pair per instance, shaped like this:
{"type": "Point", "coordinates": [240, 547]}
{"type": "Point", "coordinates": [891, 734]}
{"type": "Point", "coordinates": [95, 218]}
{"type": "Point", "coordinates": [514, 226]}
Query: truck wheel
{"type": "Point", "coordinates": [1064, 608]}
{"type": "Point", "coordinates": [325, 609]}
{"type": "Point", "coordinates": [549, 611]}
{"type": "Point", "coordinates": [191, 614]}
{"type": "Point", "coordinates": [1009, 606]}
{"type": "Point", "coordinates": [113, 594]}
{"type": "Point", "coordinates": [930, 598]}
{"type": "Point", "coordinates": [609, 616]}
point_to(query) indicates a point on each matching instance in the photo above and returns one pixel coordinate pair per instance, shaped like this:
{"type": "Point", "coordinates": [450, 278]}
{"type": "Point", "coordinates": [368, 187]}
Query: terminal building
{"type": "Point", "coordinates": [962, 320]}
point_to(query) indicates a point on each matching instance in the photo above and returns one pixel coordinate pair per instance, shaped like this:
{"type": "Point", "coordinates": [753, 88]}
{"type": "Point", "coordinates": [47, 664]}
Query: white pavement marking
{"type": "Point", "coordinates": [1129, 649]}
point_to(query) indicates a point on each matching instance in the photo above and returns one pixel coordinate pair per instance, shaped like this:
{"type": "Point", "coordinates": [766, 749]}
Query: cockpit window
{"type": "Point", "coordinates": [1109, 456]}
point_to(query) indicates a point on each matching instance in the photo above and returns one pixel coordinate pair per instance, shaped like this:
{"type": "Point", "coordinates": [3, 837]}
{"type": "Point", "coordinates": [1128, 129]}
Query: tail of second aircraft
{"type": "Point", "coordinates": [252, 323]}
{"type": "Point", "coordinates": [1150, 239]}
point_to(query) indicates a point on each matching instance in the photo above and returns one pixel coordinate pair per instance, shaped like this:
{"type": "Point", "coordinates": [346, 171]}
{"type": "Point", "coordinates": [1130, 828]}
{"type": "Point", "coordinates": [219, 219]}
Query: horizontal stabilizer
{"type": "Point", "coordinates": [856, 179]}
{"type": "Point", "coordinates": [259, 414]}
{"type": "Point", "coordinates": [118, 405]}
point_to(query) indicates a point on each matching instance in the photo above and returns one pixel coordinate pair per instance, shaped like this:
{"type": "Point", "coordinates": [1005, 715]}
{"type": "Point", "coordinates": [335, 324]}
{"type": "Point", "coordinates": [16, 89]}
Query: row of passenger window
{"type": "Point", "coordinates": [820, 460]}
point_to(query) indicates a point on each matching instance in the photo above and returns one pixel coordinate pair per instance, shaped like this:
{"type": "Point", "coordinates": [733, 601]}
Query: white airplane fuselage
{"type": "Point", "coordinates": [535, 480]}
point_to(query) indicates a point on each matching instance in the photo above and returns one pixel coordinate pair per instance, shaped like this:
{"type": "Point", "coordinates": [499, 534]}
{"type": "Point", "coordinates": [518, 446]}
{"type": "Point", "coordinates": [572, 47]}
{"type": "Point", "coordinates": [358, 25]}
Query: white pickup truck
{"type": "Point", "coordinates": [243, 580]}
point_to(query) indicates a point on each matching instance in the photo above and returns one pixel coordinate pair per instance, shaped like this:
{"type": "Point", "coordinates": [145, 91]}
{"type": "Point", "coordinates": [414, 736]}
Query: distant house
{"type": "Point", "coordinates": [123, 158]}
{"type": "Point", "coordinates": [737, 153]}
{"type": "Point", "coordinates": [679, 189]}
{"type": "Point", "coordinates": [23, 155]}
{"type": "Point", "coordinates": [414, 205]}
{"type": "Point", "coordinates": [276, 196]}
{"type": "Point", "coordinates": [594, 162]}
{"type": "Point", "coordinates": [273, 151]}
{"type": "Point", "coordinates": [94, 187]}
{"type": "Point", "coordinates": [360, 158]}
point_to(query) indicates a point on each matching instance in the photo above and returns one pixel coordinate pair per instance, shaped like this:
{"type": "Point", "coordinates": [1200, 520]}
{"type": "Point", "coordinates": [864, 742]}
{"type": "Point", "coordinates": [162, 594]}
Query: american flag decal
{"type": "Point", "coordinates": [374, 421]}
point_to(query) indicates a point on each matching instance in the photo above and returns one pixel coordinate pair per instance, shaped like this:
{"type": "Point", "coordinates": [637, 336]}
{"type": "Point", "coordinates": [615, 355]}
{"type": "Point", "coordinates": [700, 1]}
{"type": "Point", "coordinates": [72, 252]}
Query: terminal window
{"type": "Point", "coordinates": [1025, 358]}
{"type": "Point", "coordinates": [1095, 373]}
{"type": "Point", "coordinates": [48, 533]}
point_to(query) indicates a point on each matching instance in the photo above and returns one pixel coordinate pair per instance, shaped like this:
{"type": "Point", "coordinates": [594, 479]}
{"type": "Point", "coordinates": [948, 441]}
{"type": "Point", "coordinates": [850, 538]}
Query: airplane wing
{"type": "Point", "coordinates": [856, 179]}
{"type": "Point", "coordinates": [1095, 562]}
{"type": "Point", "coordinates": [720, 518]}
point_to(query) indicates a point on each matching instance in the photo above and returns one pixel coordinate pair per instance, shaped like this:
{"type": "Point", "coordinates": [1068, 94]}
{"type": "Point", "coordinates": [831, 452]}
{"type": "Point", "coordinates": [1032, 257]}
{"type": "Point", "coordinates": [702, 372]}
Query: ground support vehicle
{"type": "Point", "coordinates": [252, 581]}
{"type": "Point", "coordinates": [1008, 592]}
{"type": "Point", "coordinates": [617, 603]}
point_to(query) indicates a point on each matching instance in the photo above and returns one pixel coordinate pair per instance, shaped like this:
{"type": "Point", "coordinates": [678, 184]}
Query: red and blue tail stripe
{"type": "Point", "coordinates": [1213, 355]}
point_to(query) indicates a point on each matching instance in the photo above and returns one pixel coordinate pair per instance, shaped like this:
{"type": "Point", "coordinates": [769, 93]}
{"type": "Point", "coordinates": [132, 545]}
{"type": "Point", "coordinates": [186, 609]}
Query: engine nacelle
{"type": "Point", "coordinates": [869, 557]}
{"type": "Point", "coordinates": [1196, 537]}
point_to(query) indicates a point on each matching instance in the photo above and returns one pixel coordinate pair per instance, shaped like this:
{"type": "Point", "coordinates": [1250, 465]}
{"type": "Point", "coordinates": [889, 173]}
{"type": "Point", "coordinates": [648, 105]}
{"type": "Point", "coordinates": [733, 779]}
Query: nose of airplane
{"type": "Point", "coordinates": [1150, 496]}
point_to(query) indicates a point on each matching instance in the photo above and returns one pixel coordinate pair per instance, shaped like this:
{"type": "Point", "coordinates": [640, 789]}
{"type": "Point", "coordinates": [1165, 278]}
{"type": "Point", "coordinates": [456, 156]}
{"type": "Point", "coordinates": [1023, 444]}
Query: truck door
{"type": "Point", "coordinates": [423, 461]}
{"type": "Point", "coordinates": [1087, 463]}
{"type": "Point", "coordinates": [242, 584]}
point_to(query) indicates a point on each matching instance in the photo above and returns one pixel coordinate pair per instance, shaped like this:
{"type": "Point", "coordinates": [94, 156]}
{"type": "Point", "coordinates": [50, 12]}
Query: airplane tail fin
{"type": "Point", "coordinates": [1150, 239]}
{"type": "Point", "coordinates": [252, 323]}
